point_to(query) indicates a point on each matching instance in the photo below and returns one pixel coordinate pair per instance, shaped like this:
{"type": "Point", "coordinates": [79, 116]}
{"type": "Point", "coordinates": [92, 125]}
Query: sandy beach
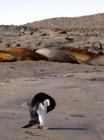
{"type": "Point", "coordinates": [77, 89]}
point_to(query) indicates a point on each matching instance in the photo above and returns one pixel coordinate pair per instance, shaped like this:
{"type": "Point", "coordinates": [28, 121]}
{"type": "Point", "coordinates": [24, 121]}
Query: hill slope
{"type": "Point", "coordinates": [54, 32]}
{"type": "Point", "coordinates": [85, 22]}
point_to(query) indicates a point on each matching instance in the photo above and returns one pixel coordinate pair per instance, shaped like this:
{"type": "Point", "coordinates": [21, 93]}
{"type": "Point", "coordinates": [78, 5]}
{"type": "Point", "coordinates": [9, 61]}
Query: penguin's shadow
{"type": "Point", "coordinates": [69, 128]}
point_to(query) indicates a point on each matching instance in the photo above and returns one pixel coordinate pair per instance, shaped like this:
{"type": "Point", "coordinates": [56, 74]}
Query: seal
{"type": "Point", "coordinates": [63, 54]}
{"type": "Point", "coordinates": [68, 54]}
{"type": "Point", "coordinates": [25, 53]}
{"type": "Point", "coordinates": [5, 56]}
{"type": "Point", "coordinates": [81, 55]}
{"type": "Point", "coordinates": [56, 55]}
{"type": "Point", "coordinates": [19, 54]}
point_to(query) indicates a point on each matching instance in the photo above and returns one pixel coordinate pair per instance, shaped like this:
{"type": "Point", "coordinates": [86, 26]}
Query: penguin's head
{"type": "Point", "coordinates": [46, 102]}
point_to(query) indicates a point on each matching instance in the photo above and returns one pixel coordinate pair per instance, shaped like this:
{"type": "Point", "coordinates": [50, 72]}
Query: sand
{"type": "Point", "coordinates": [77, 89]}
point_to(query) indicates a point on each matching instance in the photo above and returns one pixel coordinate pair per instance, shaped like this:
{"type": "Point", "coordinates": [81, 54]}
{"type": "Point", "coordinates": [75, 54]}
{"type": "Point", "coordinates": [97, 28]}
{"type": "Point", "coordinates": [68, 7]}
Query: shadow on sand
{"type": "Point", "coordinates": [69, 129]}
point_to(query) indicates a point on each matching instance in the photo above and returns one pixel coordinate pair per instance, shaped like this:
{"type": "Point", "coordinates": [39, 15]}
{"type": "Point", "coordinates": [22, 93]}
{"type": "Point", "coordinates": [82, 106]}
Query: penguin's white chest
{"type": "Point", "coordinates": [42, 112]}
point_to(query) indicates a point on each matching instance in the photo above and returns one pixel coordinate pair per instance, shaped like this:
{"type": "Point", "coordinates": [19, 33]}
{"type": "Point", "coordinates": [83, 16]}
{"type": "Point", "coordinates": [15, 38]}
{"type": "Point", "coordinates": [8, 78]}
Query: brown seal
{"type": "Point", "coordinates": [15, 54]}
{"type": "Point", "coordinates": [56, 55]}
{"type": "Point", "coordinates": [25, 53]}
{"type": "Point", "coordinates": [6, 57]}
{"type": "Point", "coordinates": [72, 55]}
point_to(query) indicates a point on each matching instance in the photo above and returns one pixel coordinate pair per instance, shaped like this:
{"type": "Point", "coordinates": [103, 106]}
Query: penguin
{"type": "Point", "coordinates": [39, 107]}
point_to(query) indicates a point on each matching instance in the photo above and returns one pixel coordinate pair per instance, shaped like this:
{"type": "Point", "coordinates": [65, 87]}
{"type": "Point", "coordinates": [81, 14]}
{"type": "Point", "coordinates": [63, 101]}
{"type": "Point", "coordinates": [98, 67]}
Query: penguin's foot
{"type": "Point", "coordinates": [42, 127]}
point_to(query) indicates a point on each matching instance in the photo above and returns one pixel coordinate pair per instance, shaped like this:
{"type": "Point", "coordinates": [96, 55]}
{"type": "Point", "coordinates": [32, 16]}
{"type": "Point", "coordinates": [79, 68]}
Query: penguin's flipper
{"type": "Point", "coordinates": [34, 120]}
{"type": "Point", "coordinates": [30, 124]}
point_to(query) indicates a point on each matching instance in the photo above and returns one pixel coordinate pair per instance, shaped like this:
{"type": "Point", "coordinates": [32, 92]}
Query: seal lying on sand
{"type": "Point", "coordinates": [64, 54]}
{"type": "Point", "coordinates": [5, 56]}
{"type": "Point", "coordinates": [81, 55]}
{"type": "Point", "coordinates": [25, 53]}
{"type": "Point", "coordinates": [98, 61]}
{"type": "Point", "coordinates": [40, 105]}
{"type": "Point", "coordinates": [16, 54]}
{"type": "Point", "coordinates": [73, 55]}
{"type": "Point", "coordinates": [57, 55]}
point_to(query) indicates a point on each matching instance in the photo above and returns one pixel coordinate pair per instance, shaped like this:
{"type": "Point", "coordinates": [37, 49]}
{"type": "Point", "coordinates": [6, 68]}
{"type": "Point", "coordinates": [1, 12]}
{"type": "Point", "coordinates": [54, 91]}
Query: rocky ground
{"type": "Point", "coordinates": [77, 89]}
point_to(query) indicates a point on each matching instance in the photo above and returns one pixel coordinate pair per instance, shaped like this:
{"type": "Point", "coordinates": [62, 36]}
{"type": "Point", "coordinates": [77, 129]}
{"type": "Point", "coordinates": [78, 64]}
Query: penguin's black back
{"type": "Point", "coordinates": [40, 97]}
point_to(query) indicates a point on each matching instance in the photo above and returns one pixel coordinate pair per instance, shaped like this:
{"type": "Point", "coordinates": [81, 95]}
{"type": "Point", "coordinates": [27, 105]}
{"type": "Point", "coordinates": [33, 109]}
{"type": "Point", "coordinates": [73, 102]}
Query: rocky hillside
{"type": "Point", "coordinates": [92, 22]}
{"type": "Point", "coordinates": [55, 32]}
